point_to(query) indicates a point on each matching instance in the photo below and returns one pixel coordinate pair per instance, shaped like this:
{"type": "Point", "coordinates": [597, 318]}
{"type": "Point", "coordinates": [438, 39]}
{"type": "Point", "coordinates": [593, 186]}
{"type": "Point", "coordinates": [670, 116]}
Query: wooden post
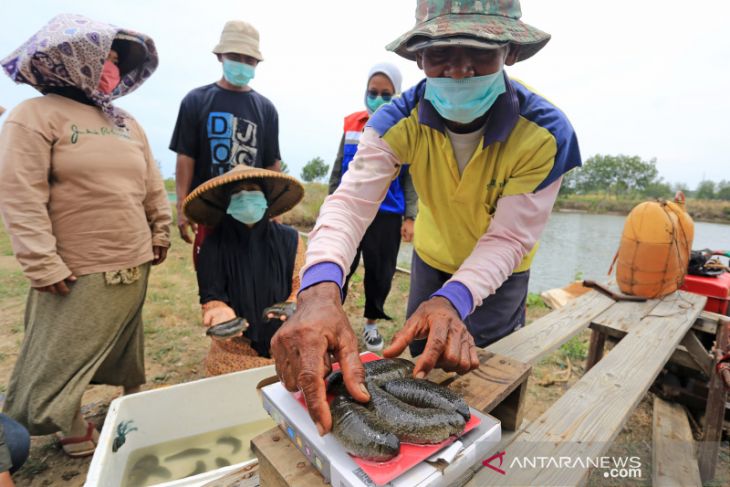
{"type": "Point", "coordinates": [715, 411]}
{"type": "Point", "coordinates": [595, 350]}
{"type": "Point", "coordinates": [281, 464]}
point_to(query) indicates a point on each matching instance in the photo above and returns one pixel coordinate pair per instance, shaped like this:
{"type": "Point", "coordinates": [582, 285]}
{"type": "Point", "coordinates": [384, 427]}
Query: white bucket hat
{"type": "Point", "coordinates": [239, 37]}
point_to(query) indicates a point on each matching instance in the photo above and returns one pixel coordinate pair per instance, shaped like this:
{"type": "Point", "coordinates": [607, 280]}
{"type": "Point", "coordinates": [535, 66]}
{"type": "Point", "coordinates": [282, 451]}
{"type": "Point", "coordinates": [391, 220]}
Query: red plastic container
{"type": "Point", "coordinates": [717, 290]}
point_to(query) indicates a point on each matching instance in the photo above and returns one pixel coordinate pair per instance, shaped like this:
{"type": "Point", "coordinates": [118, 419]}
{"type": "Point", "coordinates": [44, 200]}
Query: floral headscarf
{"type": "Point", "coordinates": [70, 51]}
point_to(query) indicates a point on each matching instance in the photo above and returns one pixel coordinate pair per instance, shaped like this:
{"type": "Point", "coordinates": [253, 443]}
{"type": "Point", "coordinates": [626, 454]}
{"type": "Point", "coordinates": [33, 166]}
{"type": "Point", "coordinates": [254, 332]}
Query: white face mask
{"type": "Point", "coordinates": [464, 100]}
{"type": "Point", "coordinates": [248, 207]}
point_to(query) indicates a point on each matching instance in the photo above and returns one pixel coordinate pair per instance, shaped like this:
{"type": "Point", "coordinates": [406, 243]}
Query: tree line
{"type": "Point", "coordinates": [314, 170]}
{"type": "Point", "coordinates": [630, 177]}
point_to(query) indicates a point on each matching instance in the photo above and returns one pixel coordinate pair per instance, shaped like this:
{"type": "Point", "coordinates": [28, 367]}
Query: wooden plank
{"type": "Point", "coordinates": [715, 317]}
{"type": "Point", "coordinates": [243, 477]}
{"type": "Point", "coordinates": [698, 353]}
{"type": "Point", "coordinates": [546, 334]}
{"type": "Point", "coordinates": [585, 420]}
{"type": "Point", "coordinates": [674, 463]}
{"type": "Point", "coordinates": [487, 386]}
{"type": "Point", "coordinates": [715, 411]}
{"type": "Point", "coordinates": [623, 315]}
{"type": "Point", "coordinates": [281, 464]}
{"type": "Point", "coordinates": [682, 357]}
{"type": "Point", "coordinates": [439, 376]}
{"type": "Point", "coordinates": [706, 323]}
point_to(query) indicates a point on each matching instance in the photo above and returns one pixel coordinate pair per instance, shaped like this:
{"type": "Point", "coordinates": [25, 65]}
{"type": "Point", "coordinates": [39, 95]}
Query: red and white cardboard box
{"type": "Point", "coordinates": [439, 466]}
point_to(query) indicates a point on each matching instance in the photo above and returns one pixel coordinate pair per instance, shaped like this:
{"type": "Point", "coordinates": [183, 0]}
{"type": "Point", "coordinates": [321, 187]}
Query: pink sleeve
{"type": "Point", "coordinates": [514, 231]}
{"type": "Point", "coordinates": [347, 213]}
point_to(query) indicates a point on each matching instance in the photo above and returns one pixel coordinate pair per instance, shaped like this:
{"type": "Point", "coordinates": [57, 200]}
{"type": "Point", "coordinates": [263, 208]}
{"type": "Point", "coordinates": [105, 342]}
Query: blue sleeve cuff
{"type": "Point", "coordinates": [322, 272]}
{"type": "Point", "coordinates": [459, 296]}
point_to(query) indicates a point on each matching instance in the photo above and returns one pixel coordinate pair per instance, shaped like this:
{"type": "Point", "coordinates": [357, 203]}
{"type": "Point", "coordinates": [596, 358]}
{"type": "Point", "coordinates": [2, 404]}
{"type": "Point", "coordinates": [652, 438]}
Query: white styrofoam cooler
{"type": "Point", "coordinates": [174, 412]}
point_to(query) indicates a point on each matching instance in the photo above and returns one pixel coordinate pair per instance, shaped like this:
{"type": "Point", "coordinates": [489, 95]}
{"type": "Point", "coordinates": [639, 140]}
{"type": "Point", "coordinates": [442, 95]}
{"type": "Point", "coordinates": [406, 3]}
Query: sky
{"type": "Point", "coordinates": [634, 77]}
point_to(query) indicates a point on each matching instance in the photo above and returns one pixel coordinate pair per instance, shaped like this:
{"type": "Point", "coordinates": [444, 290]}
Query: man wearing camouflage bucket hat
{"type": "Point", "coordinates": [486, 155]}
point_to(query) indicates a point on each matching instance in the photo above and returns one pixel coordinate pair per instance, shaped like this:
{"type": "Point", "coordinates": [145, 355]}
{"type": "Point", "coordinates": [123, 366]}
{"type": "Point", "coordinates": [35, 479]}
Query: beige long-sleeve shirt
{"type": "Point", "coordinates": [78, 195]}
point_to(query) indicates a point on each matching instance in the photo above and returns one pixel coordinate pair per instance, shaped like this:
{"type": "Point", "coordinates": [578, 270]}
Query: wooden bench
{"type": "Point", "coordinates": [588, 417]}
{"type": "Point", "coordinates": [622, 318]}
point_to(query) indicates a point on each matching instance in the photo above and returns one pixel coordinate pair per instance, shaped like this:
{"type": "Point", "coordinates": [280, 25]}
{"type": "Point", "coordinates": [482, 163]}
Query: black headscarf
{"type": "Point", "coordinates": [250, 269]}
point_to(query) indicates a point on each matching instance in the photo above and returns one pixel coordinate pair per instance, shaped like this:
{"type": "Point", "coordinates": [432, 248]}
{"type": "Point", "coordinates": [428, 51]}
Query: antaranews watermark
{"type": "Point", "coordinates": [614, 467]}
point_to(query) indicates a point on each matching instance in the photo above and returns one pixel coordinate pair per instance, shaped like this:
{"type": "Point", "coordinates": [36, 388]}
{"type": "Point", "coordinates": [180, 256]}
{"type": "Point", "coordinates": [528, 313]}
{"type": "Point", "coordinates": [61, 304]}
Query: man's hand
{"type": "Point", "coordinates": [61, 288]}
{"type": "Point", "coordinates": [160, 254]}
{"type": "Point", "coordinates": [406, 230]}
{"type": "Point", "coordinates": [302, 346]}
{"type": "Point", "coordinates": [183, 224]}
{"type": "Point", "coordinates": [449, 344]}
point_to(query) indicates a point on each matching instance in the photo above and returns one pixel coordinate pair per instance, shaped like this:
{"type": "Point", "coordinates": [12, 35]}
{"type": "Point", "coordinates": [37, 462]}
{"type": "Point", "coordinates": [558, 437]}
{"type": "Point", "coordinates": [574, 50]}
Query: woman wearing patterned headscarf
{"type": "Point", "coordinates": [87, 213]}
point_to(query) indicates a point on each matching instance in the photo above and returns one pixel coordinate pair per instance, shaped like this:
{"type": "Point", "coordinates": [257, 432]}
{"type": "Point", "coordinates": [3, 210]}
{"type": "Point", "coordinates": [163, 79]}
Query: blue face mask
{"type": "Point", "coordinates": [247, 207]}
{"type": "Point", "coordinates": [374, 103]}
{"type": "Point", "coordinates": [464, 100]}
{"type": "Point", "coordinates": [239, 74]}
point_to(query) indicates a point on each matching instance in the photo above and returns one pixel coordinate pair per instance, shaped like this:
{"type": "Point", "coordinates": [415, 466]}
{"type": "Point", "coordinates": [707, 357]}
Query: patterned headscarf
{"type": "Point", "coordinates": [70, 51]}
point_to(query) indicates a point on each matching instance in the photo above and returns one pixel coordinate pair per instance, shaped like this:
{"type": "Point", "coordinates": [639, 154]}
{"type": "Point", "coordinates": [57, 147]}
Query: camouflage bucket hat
{"type": "Point", "coordinates": [476, 23]}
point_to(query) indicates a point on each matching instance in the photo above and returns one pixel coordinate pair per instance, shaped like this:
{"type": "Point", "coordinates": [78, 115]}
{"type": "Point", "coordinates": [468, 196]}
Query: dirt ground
{"type": "Point", "coordinates": [175, 347]}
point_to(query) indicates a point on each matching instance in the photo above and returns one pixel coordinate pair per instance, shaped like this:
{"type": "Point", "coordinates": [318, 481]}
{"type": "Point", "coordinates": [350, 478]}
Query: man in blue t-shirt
{"type": "Point", "coordinates": [224, 124]}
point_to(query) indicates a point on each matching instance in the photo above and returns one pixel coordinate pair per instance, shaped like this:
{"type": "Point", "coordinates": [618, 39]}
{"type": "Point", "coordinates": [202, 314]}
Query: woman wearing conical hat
{"type": "Point", "coordinates": [248, 264]}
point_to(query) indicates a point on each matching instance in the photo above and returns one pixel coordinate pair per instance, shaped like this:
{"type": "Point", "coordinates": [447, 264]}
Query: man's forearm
{"type": "Point", "coordinates": [346, 214]}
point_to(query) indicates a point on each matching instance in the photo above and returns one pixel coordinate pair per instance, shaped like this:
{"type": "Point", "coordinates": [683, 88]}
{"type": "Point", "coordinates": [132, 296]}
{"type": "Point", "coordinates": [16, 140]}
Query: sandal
{"type": "Point", "coordinates": [80, 446]}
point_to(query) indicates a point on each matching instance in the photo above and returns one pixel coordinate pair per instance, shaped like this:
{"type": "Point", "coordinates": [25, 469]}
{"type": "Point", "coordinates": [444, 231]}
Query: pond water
{"type": "Point", "coordinates": [583, 245]}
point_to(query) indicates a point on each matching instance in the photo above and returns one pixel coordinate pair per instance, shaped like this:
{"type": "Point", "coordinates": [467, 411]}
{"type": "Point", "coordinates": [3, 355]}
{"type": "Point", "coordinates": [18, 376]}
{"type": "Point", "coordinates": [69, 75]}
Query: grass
{"type": "Point", "coordinates": [575, 349]}
{"type": "Point", "coordinates": [305, 213]}
{"type": "Point", "coordinates": [715, 211]}
{"type": "Point", "coordinates": [534, 300]}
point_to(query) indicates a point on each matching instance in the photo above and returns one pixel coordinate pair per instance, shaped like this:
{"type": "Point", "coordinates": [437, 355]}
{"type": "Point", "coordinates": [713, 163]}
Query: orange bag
{"type": "Point", "coordinates": [655, 248]}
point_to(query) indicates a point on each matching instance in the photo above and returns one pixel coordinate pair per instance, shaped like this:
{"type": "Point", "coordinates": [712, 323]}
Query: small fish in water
{"type": "Point", "coordinates": [222, 462]}
{"type": "Point", "coordinates": [146, 467]}
{"type": "Point", "coordinates": [227, 329]}
{"type": "Point", "coordinates": [199, 468]}
{"type": "Point", "coordinates": [190, 452]}
{"type": "Point", "coordinates": [230, 440]}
